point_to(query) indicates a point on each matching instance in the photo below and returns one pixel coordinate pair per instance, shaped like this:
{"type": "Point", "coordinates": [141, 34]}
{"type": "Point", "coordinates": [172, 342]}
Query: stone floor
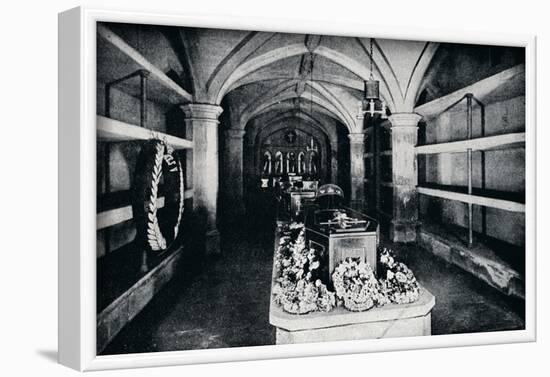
{"type": "Point", "coordinates": [224, 302]}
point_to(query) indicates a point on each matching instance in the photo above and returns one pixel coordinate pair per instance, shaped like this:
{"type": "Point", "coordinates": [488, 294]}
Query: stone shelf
{"type": "Point", "coordinates": [517, 197]}
{"type": "Point", "coordinates": [477, 144]}
{"type": "Point", "coordinates": [123, 60]}
{"type": "Point", "coordinates": [115, 216]}
{"type": "Point", "coordinates": [127, 280]}
{"type": "Point", "coordinates": [504, 204]}
{"type": "Point", "coordinates": [113, 130]}
{"type": "Point", "coordinates": [498, 264]}
{"type": "Point", "coordinates": [506, 84]}
{"type": "Point", "coordinates": [110, 217]}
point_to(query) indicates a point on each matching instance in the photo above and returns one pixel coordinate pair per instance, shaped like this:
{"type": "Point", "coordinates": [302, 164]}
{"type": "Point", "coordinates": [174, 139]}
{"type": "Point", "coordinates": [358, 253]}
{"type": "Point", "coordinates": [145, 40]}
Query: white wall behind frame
{"type": "Point", "coordinates": [28, 155]}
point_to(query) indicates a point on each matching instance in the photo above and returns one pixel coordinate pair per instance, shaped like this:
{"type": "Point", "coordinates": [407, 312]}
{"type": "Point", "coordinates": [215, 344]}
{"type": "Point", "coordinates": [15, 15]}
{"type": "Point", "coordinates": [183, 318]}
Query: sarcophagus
{"type": "Point", "coordinates": [339, 232]}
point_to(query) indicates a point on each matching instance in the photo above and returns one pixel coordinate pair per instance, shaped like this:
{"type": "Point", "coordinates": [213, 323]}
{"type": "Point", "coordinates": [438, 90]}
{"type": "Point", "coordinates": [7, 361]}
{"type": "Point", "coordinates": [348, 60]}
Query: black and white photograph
{"type": "Point", "coordinates": [270, 189]}
{"type": "Point", "coordinates": [260, 188]}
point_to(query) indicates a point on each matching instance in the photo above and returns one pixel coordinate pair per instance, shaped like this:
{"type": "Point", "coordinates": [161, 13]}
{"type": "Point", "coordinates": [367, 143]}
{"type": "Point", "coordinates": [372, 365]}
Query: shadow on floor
{"type": "Point", "coordinates": [464, 304]}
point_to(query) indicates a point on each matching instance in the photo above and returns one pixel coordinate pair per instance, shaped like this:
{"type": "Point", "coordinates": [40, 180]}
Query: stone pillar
{"type": "Point", "coordinates": [251, 175]}
{"type": "Point", "coordinates": [234, 165]}
{"type": "Point", "coordinates": [357, 169]}
{"type": "Point", "coordinates": [404, 224]}
{"type": "Point", "coordinates": [333, 162]}
{"type": "Point", "coordinates": [202, 119]}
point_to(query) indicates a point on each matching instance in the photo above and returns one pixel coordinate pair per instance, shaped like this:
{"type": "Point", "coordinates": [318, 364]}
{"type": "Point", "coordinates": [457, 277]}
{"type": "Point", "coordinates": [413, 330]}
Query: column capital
{"type": "Point", "coordinates": [359, 118]}
{"type": "Point", "coordinates": [404, 120]}
{"type": "Point", "coordinates": [356, 138]}
{"type": "Point", "coordinates": [202, 111]}
{"type": "Point", "coordinates": [234, 133]}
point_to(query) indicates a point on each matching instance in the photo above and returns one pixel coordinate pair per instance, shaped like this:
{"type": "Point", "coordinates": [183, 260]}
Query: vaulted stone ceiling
{"type": "Point", "coordinates": [260, 72]}
{"type": "Point", "coordinates": [255, 73]}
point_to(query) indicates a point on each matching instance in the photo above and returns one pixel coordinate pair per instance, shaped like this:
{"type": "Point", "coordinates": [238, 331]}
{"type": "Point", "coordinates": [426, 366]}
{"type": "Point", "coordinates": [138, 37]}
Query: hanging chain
{"type": "Point", "coordinates": [371, 59]}
{"type": "Point", "coordinates": [311, 84]}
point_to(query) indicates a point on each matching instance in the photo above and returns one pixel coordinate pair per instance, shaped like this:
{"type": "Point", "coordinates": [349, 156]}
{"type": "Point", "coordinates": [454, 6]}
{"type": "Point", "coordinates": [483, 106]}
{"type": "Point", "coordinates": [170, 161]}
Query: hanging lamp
{"type": "Point", "coordinates": [372, 104]}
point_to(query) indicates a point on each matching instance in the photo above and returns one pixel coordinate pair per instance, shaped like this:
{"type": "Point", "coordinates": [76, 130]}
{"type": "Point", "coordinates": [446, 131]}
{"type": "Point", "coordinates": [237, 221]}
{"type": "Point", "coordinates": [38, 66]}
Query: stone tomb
{"type": "Point", "coordinates": [388, 321]}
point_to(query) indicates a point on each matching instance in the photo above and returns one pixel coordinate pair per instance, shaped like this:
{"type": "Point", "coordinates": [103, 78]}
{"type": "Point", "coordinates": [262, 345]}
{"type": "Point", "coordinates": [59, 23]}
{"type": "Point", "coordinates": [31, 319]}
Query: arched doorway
{"type": "Point", "coordinates": [286, 147]}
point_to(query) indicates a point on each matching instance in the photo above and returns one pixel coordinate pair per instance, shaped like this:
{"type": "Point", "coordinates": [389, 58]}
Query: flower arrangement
{"type": "Point", "coordinates": [297, 287]}
{"type": "Point", "coordinates": [399, 285]}
{"type": "Point", "coordinates": [356, 286]}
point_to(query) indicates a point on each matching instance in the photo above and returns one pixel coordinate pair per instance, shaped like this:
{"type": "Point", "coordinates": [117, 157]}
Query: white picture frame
{"type": "Point", "coordinates": [77, 181]}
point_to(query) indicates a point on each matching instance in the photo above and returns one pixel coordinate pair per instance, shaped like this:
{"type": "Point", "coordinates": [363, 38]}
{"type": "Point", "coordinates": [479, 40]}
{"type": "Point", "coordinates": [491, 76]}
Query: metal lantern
{"type": "Point", "coordinates": [372, 89]}
{"type": "Point", "coordinates": [371, 101]}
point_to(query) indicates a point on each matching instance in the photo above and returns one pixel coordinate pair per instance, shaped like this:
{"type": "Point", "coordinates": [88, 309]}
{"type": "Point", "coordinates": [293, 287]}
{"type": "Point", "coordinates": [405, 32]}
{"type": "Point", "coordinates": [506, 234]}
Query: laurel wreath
{"type": "Point", "coordinates": [182, 197]}
{"type": "Point", "coordinates": [156, 157]}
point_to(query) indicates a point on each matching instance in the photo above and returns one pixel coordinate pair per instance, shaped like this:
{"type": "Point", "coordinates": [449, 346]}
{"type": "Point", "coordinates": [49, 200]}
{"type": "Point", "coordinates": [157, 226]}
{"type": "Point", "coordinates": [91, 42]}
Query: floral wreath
{"type": "Point", "coordinates": [297, 288]}
{"type": "Point", "coordinates": [158, 160]}
{"type": "Point", "coordinates": [399, 284]}
{"type": "Point", "coordinates": [356, 286]}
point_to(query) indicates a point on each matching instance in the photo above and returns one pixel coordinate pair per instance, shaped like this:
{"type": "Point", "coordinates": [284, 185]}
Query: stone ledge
{"type": "Point", "coordinates": [406, 327]}
{"type": "Point", "coordinates": [122, 310]}
{"type": "Point", "coordinates": [480, 261]}
{"type": "Point", "coordinates": [342, 317]}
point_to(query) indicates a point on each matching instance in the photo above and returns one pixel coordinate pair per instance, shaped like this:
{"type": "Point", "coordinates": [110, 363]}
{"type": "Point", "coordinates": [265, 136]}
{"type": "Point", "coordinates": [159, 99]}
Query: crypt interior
{"type": "Point", "coordinates": [438, 162]}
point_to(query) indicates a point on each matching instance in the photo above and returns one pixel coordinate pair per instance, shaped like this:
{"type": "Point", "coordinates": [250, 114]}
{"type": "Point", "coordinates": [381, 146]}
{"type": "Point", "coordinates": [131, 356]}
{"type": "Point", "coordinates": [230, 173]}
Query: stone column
{"type": "Point", "coordinates": [333, 162]}
{"type": "Point", "coordinates": [202, 119]}
{"type": "Point", "coordinates": [234, 165]}
{"type": "Point", "coordinates": [405, 177]}
{"type": "Point", "coordinates": [357, 169]}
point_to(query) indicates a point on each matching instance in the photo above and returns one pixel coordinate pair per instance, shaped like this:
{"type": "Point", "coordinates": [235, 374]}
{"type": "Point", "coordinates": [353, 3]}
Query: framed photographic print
{"type": "Point", "coordinates": [234, 189]}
